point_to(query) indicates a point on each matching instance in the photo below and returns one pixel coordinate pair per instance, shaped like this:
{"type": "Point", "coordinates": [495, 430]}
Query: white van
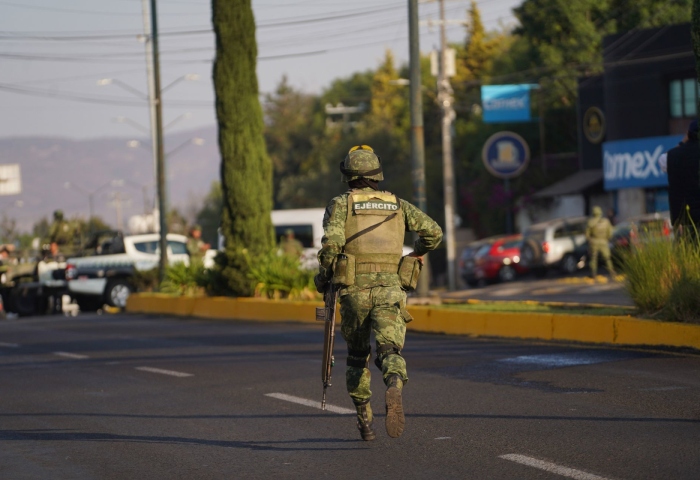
{"type": "Point", "coordinates": [307, 225]}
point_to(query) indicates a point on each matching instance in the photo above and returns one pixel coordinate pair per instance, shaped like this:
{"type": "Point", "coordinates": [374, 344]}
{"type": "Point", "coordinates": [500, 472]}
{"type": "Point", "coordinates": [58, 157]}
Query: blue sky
{"type": "Point", "coordinates": [53, 54]}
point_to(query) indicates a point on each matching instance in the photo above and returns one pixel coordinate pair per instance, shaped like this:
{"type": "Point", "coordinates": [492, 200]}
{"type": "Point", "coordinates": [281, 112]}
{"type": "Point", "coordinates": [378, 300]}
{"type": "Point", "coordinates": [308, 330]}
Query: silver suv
{"type": "Point", "coordinates": [559, 243]}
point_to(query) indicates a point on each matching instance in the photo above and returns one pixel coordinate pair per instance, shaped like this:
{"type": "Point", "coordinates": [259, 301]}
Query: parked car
{"type": "Point", "coordinates": [499, 260]}
{"type": "Point", "coordinates": [467, 261]}
{"type": "Point", "coordinates": [639, 230]}
{"type": "Point", "coordinates": [555, 244]}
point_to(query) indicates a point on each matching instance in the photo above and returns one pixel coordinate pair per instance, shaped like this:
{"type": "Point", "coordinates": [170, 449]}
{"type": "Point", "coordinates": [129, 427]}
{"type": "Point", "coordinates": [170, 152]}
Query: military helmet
{"type": "Point", "coordinates": [597, 211]}
{"type": "Point", "coordinates": [361, 162]}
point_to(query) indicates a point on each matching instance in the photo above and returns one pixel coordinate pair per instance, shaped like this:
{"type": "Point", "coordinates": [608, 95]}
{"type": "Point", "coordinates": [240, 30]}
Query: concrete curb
{"type": "Point", "coordinates": [616, 330]}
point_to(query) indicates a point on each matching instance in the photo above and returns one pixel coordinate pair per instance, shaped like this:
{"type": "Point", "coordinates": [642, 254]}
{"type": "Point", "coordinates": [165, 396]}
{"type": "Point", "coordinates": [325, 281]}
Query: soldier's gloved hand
{"type": "Point", "coordinates": [320, 281]}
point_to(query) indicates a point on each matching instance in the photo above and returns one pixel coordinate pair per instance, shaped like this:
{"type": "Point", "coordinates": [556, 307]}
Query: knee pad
{"type": "Point", "coordinates": [383, 351]}
{"type": "Point", "coordinates": [358, 359]}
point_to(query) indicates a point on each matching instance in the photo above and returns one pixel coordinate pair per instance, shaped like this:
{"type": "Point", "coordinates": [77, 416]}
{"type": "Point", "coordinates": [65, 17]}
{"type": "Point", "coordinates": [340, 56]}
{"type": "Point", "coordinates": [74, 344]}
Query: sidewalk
{"type": "Point", "coordinates": [613, 330]}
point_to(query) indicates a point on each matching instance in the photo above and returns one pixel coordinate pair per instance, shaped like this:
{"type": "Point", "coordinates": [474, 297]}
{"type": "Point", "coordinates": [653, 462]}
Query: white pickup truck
{"type": "Point", "coordinates": [104, 274]}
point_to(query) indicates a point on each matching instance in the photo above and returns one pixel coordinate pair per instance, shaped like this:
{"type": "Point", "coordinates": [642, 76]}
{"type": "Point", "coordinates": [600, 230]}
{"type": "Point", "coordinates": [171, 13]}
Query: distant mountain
{"type": "Point", "coordinates": [47, 163]}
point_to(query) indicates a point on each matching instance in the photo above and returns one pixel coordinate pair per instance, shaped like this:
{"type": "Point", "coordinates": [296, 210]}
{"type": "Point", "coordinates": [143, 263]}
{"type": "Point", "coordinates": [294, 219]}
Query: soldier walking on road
{"type": "Point", "coordinates": [598, 234]}
{"type": "Point", "coordinates": [362, 246]}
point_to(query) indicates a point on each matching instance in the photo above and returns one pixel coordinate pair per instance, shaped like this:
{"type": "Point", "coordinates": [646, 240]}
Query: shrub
{"type": "Point", "coordinates": [651, 269]}
{"type": "Point", "coordinates": [663, 279]}
{"type": "Point", "coordinates": [281, 276]}
{"type": "Point", "coordinates": [146, 280]}
{"type": "Point", "coordinates": [181, 279]}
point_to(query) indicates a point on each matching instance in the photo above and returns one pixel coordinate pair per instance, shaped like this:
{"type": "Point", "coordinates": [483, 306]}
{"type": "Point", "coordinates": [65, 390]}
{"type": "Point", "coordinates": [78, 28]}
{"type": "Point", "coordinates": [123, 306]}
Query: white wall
{"type": "Point", "coordinates": [630, 202]}
{"type": "Point", "coordinates": [563, 206]}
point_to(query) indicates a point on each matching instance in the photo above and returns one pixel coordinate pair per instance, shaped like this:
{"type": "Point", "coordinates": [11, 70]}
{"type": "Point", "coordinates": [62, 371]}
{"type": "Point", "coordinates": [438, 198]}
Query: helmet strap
{"type": "Point", "coordinates": [363, 183]}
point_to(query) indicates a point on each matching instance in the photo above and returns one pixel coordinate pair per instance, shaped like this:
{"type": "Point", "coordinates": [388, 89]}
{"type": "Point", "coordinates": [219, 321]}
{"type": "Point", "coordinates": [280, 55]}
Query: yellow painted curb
{"type": "Point", "coordinates": [540, 326]}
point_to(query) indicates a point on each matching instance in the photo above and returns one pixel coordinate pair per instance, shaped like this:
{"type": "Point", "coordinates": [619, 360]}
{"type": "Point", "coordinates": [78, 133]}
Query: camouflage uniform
{"type": "Point", "coordinates": [290, 246]}
{"type": "Point", "coordinates": [598, 234]}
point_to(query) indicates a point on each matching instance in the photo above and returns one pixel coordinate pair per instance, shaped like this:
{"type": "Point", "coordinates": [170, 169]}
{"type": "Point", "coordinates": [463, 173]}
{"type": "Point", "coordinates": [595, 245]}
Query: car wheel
{"type": "Point", "coordinates": [117, 293]}
{"type": "Point", "coordinates": [569, 265]}
{"type": "Point", "coordinates": [506, 274]}
{"type": "Point", "coordinates": [530, 253]}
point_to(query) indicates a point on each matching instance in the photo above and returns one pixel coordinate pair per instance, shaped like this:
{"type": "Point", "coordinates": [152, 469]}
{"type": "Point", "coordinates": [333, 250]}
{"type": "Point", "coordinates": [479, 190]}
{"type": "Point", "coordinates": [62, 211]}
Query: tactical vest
{"type": "Point", "coordinates": [599, 229]}
{"type": "Point", "coordinates": [374, 231]}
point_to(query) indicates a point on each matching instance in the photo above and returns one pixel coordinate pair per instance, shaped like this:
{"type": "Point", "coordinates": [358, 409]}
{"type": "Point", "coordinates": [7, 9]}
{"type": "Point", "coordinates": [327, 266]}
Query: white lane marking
{"type": "Point", "coordinates": [310, 403]}
{"type": "Point", "coordinates": [9, 345]}
{"type": "Point", "coordinates": [76, 356]}
{"type": "Point", "coordinates": [551, 467]}
{"type": "Point", "coordinates": [443, 438]}
{"type": "Point", "coordinates": [172, 373]}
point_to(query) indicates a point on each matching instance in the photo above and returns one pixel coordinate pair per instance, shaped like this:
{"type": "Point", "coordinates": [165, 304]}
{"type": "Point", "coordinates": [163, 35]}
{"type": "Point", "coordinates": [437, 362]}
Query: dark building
{"type": "Point", "coordinates": [639, 108]}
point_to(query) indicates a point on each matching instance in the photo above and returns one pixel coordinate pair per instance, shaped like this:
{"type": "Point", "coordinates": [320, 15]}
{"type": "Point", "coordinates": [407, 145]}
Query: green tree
{"type": "Point", "coordinates": [631, 14]}
{"type": "Point", "coordinates": [246, 170]}
{"type": "Point", "coordinates": [293, 124]}
{"type": "Point", "coordinates": [41, 228]}
{"type": "Point", "coordinates": [695, 32]}
{"type": "Point", "coordinates": [564, 40]}
{"type": "Point", "coordinates": [209, 217]}
{"type": "Point", "coordinates": [8, 229]}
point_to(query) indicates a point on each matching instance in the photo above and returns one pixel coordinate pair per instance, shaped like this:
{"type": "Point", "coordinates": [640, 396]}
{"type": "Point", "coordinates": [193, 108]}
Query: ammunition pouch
{"type": "Point", "coordinates": [409, 271]}
{"type": "Point", "coordinates": [344, 270]}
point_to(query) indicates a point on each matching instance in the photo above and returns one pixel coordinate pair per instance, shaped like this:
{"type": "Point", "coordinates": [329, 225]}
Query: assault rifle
{"type": "Point", "coordinates": [327, 314]}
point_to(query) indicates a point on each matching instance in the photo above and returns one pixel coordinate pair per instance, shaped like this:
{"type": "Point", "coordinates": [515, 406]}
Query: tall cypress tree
{"type": "Point", "coordinates": [246, 170]}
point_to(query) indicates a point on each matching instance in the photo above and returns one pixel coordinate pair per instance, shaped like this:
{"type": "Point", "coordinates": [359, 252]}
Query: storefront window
{"type": "Point", "coordinates": [676, 99]}
{"type": "Point", "coordinates": [683, 98]}
{"type": "Point", "coordinates": [690, 98]}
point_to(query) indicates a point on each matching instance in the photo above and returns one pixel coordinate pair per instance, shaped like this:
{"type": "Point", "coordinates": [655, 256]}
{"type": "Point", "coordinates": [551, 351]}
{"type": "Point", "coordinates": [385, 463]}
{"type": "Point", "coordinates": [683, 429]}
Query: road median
{"type": "Point", "coordinates": [597, 329]}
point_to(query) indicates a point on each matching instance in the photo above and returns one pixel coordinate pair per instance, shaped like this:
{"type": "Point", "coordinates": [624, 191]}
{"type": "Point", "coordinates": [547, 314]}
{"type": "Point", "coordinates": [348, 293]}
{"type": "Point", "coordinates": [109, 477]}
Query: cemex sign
{"type": "Point", "coordinates": [635, 163]}
{"type": "Point", "coordinates": [506, 103]}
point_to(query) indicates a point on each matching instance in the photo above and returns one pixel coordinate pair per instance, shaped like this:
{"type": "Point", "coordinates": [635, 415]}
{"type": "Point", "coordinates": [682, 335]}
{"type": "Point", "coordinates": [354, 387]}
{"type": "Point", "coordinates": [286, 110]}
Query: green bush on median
{"type": "Point", "coordinates": [180, 279]}
{"type": "Point", "coordinates": [280, 276]}
{"type": "Point", "coordinates": [663, 279]}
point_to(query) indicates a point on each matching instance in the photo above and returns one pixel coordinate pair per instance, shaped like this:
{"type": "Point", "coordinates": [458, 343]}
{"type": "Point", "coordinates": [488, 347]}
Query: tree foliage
{"type": "Point", "coordinates": [209, 217]}
{"type": "Point", "coordinates": [695, 31]}
{"type": "Point", "coordinates": [246, 170]}
{"type": "Point", "coordinates": [555, 43]}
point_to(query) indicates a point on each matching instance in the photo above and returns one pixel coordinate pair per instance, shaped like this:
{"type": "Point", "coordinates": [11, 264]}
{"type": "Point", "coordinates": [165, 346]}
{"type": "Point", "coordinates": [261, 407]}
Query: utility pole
{"type": "Point", "coordinates": [417, 135]}
{"type": "Point", "coordinates": [445, 100]}
{"type": "Point", "coordinates": [160, 156]}
{"type": "Point", "coordinates": [151, 87]}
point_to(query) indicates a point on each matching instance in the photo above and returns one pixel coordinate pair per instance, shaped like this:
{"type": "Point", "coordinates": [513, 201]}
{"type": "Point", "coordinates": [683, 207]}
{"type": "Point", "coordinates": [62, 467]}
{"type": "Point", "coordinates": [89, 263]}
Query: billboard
{"type": "Point", "coordinates": [506, 103]}
{"type": "Point", "coordinates": [10, 181]}
{"type": "Point", "coordinates": [635, 163]}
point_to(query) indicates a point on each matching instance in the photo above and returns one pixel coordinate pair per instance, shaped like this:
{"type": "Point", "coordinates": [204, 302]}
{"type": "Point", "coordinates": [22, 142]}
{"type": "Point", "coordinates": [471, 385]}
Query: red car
{"type": "Point", "coordinates": [499, 260]}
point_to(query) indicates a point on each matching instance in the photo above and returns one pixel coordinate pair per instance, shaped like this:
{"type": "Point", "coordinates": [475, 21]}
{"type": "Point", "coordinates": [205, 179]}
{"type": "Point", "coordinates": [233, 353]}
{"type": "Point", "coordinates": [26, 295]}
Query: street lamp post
{"type": "Point", "coordinates": [91, 195]}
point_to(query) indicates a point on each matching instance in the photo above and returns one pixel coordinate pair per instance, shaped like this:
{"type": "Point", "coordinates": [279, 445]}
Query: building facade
{"type": "Point", "coordinates": [638, 109]}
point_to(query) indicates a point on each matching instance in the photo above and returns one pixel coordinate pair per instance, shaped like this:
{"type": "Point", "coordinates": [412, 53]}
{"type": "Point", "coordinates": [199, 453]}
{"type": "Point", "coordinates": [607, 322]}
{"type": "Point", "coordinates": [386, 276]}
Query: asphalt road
{"type": "Point", "coordinates": [131, 397]}
{"type": "Point", "coordinates": [567, 289]}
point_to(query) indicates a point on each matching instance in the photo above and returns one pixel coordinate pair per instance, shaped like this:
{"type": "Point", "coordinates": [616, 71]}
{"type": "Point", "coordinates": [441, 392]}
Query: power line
{"type": "Point", "coordinates": [78, 11]}
{"type": "Point", "coordinates": [103, 100]}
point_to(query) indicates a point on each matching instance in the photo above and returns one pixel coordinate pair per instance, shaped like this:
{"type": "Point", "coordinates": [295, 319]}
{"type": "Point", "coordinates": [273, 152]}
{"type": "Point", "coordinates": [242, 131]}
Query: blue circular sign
{"type": "Point", "coordinates": [505, 154]}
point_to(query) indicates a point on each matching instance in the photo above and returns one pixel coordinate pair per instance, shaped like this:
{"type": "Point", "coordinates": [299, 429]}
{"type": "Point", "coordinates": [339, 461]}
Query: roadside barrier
{"type": "Point", "coordinates": [615, 330]}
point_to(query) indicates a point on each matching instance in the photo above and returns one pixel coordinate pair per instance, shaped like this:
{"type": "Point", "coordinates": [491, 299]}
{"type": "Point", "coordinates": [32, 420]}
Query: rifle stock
{"type": "Point", "coordinates": [327, 315]}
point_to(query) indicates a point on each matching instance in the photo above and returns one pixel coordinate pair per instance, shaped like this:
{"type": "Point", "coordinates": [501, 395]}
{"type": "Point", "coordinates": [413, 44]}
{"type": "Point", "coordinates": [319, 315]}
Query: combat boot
{"type": "Point", "coordinates": [364, 422]}
{"type": "Point", "coordinates": [394, 408]}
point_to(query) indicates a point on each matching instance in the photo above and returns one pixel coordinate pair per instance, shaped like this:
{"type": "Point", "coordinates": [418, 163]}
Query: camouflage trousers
{"type": "Point", "coordinates": [380, 310]}
{"type": "Point", "coordinates": [602, 249]}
